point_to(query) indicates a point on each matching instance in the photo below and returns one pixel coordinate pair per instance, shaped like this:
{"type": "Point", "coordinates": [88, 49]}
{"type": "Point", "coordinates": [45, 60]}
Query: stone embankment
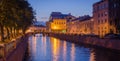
{"type": "Point", "coordinates": [14, 50]}
{"type": "Point", "coordinates": [90, 40]}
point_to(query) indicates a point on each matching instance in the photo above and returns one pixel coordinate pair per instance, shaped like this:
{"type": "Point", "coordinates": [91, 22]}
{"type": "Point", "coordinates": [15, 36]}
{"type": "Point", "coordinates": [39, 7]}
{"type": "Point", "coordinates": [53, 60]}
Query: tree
{"type": "Point", "coordinates": [15, 15]}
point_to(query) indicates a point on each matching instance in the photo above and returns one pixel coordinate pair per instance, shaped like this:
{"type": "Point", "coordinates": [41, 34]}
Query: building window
{"type": "Point", "coordinates": [101, 21]}
{"type": "Point", "coordinates": [98, 15]}
{"type": "Point", "coordinates": [101, 14]}
{"type": "Point", "coordinates": [98, 32]}
{"type": "Point", "coordinates": [105, 5]}
{"type": "Point", "coordinates": [98, 21]}
{"type": "Point", "coordinates": [98, 28]}
{"type": "Point", "coordinates": [105, 32]}
{"type": "Point", "coordinates": [105, 13]}
{"type": "Point", "coordinates": [105, 28]}
{"type": "Point", "coordinates": [105, 20]}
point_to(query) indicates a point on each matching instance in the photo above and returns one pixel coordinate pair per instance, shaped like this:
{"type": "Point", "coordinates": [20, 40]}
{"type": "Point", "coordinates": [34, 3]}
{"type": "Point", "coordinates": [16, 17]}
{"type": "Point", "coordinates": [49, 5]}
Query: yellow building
{"type": "Point", "coordinates": [58, 25]}
{"type": "Point", "coordinates": [58, 22]}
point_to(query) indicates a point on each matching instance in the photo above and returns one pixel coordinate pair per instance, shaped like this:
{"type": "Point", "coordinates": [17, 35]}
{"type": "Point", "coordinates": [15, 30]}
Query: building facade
{"type": "Point", "coordinates": [86, 26]}
{"type": "Point", "coordinates": [58, 22]}
{"type": "Point", "coordinates": [58, 25]}
{"type": "Point", "coordinates": [106, 17]}
{"type": "Point", "coordinates": [82, 25]}
{"type": "Point", "coordinates": [72, 27]}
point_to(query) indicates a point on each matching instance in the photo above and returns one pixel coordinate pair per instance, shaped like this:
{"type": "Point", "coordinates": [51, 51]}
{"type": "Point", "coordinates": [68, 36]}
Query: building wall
{"type": "Point", "coordinates": [80, 27]}
{"type": "Point", "coordinates": [114, 15]}
{"type": "Point", "coordinates": [106, 14]}
{"type": "Point", "coordinates": [58, 25]}
{"type": "Point", "coordinates": [101, 18]}
{"type": "Point", "coordinates": [72, 27]}
{"type": "Point", "coordinates": [86, 27]}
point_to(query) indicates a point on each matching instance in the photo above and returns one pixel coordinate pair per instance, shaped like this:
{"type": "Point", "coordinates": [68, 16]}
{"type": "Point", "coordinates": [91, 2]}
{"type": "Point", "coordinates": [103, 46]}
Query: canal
{"type": "Point", "coordinates": [44, 48]}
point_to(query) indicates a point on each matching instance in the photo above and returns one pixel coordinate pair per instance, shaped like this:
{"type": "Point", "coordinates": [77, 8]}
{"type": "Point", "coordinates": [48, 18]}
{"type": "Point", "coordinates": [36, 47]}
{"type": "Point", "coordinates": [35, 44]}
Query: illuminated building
{"type": "Point", "coordinates": [106, 14]}
{"type": "Point", "coordinates": [57, 22]}
{"type": "Point", "coordinates": [58, 25]}
{"type": "Point", "coordinates": [81, 25]}
{"type": "Point", "coordinates": [86, 26]}
{"type": "Point", "coordinates": [72, 27]}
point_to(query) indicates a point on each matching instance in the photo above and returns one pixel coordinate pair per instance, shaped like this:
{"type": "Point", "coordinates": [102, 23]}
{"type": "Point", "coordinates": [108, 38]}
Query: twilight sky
{"type": "Point", "coordinates": [43, 8]}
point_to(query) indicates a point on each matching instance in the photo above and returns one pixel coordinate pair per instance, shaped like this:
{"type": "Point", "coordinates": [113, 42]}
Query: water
{"type": "Point", "coordinates": [43, 48]}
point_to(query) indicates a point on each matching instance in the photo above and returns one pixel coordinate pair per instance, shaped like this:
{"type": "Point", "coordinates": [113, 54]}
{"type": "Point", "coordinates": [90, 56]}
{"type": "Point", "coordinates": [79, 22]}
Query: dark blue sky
{"type": "Point", "coordinates": [43, 8]}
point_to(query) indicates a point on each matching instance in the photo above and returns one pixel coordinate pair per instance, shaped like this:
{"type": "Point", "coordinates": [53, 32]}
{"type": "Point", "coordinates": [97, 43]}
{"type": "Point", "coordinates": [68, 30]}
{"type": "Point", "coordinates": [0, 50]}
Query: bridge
{"type": "Point", "coordinates": [36, 29]}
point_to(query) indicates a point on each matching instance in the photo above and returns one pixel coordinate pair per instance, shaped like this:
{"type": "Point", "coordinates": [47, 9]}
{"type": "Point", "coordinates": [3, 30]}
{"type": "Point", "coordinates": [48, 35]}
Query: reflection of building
{"type": "Point", "coordinates": [55, 45]}
{"type": "Point", "coordinates": [106, 14]}
{"type": "Point", "coordinates": [92, 55]}
{"type": "Point", "coordinates": [57, 22]}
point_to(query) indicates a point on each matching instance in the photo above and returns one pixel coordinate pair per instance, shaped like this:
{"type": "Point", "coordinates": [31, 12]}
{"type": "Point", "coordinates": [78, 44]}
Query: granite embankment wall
{"type": "Point", "coordinates": [15, 50]}
{"type": "Point", "coordinates": [90, 40]}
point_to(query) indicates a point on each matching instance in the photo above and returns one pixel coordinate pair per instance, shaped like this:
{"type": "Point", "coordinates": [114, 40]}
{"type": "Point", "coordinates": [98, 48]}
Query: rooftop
{"type": "Point", "coordinates": [59, 15]}
{"type": "Point", "coordinates": [82, 18]}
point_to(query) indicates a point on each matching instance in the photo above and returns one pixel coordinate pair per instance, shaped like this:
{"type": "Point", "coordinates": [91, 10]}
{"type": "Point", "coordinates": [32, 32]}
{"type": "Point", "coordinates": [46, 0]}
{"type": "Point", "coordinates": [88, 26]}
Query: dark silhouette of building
{"type": "Point", "coordinates": [106, 15]}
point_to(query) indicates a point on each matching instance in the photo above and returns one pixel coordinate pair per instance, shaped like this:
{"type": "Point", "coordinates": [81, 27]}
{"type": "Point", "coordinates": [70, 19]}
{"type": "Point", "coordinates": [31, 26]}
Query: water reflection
{"type": "Point", "coordinates": [92, 55]}
{"type": "Point", "coordinates": [34, 45]}
{"type": "Point", "coordinates": [55, 48]}
{"type": "Point", "coordinates": [43, 48]}
{"type": "Point", "coordinates": [64, 50]}
{"type": "Point", "coordinates": [73, 52]}
{"type": "Point", "coordinates": [44, 42]}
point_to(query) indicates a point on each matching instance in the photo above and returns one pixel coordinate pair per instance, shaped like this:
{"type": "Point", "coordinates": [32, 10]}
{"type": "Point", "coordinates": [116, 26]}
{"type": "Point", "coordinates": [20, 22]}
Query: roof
{"type": "Point", "coordinates": [99, 2]}
{"type": "Point", "coordinates": [82, 18]}
{"type": "Point", "coordinates": [59, 15]}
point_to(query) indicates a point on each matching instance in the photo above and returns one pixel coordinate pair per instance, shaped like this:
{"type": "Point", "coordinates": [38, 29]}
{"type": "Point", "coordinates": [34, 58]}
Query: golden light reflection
{"type": "Point", "coordinates": [64, 50]}
{"type": "Point", "coordinates": [55, 48]}
{"type": "Point", "coordinates": [92, 55]}
{"type": "Point", "coordinates": [34, 42]}
{"type": "Point", "coordinates": [44, 44]}
{"type": "Point", "coordinates": [73, 52]}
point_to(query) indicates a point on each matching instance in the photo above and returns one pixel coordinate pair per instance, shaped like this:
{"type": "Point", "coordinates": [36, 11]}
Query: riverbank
{"type": "Point", "coordinates": [14, 50]}
{"type": "Point", "coordinates": [113, 44]}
